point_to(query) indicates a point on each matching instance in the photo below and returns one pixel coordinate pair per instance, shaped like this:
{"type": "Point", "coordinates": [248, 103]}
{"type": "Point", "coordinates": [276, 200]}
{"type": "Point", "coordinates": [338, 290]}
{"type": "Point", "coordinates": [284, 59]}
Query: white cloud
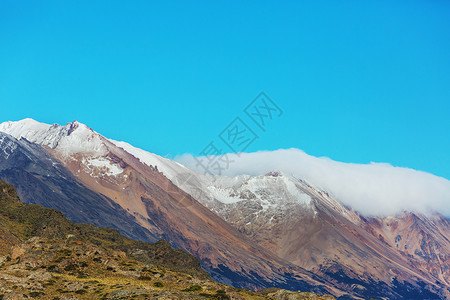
{"type": "Point", "coordinates": [372, 189]}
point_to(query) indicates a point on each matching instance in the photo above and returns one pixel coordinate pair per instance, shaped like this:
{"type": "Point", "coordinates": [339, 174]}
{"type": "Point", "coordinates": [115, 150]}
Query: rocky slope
{"type": "Point", "coordinates": [50, 257]}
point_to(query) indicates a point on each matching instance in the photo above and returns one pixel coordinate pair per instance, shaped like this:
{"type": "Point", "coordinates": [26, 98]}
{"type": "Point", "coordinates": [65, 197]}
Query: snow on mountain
{"type": "Point", "coordinates": [375, 189]}
{"type": "Point", "coordinates": [215, 191]}
{"type": "Point", "coordinates": [7, 146]}
{"type": "Point", "coordinates": [81, 139]}
{"type": "Point", "coordinates": [27, 128]}
{"type": "Point", "coordinates": [69, 139]}
{"type": "Point", "coordinates": [268, 191]}
{"type": "Point", "coordinates": [169, 168]}
{"type": "Point", "coordinates": [103, 164]}
{"type": "Point", "coordinates": [72, 139]}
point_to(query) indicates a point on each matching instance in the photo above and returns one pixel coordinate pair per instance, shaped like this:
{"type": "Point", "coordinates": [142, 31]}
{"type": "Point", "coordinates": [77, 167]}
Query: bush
{"type": "Point", "coordinates": [36, 294]}
{"type": "Point", "coordinates": [219, 295]}
{"type": "Point", "coordinates": [193, 288]}
{"type": "Point", "coordinates": [51, 268]}
{"type": "Point", "coordinates": [158, 284]}
{"type": "Point", "coordinates": [70, 267]}
{"type": "Point", "coordinates": [82, 275]}
{"type": "Point", "coordinates": [144, 277]}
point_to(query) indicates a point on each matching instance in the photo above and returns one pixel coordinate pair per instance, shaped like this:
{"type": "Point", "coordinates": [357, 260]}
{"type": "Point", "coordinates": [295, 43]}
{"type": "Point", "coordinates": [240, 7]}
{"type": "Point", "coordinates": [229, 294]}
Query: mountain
{"type": "Point", "coordinates": [42, 179]}
{"type": "Point", "coordinates": [44, 255]}
{"type": "Point", "coordinates": [56, 165]}
{"type": "Point", "coordinates": [408, 253]}
{"type": "Point", "coordinates": [249, 231]}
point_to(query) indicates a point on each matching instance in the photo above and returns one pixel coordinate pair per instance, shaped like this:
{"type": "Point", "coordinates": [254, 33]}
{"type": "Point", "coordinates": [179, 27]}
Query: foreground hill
{"type": "Point", "coordinates": [46, 256]}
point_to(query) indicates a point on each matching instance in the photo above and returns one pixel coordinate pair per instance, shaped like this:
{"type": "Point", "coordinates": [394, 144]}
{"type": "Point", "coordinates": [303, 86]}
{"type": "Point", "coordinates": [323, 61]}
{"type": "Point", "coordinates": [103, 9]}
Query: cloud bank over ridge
{"type": "Point", "coordinates": [377, 189]}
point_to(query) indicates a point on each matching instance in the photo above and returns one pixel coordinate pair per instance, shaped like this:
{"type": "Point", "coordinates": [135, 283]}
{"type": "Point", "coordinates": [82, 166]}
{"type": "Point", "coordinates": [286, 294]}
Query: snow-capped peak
{"type": "Point", "coordinates": [26, 128]}
{"type": "Point", "coordinates": [81, 139]}
{"type": "Point", "coordinates": [68, 140]}
{"type": "Point", "coordinates": [72, 138]}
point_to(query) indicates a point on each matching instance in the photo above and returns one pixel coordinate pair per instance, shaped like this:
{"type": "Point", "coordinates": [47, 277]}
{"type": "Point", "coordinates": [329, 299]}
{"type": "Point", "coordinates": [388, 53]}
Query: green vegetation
{"type": "Point", "coordinates": [193, 288]}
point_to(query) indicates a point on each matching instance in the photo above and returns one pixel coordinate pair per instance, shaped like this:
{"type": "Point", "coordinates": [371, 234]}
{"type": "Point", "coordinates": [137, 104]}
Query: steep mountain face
{"type": "Point", "coordinates": [249, 231]}
{"type": "Point", "coordinates": [142, 196]}
{"type": "Point", "coordinates": [422, 240]}
{"type": "Point", "coordinates": [42, 179]}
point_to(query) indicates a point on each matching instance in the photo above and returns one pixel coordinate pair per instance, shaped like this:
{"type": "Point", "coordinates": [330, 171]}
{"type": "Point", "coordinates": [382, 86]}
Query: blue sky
{"type": "Point", "coordinates": [358, 81]}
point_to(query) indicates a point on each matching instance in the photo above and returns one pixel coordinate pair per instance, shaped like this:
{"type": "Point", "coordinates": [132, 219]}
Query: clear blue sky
{"type": "Point", "coordinates": [358, 81]}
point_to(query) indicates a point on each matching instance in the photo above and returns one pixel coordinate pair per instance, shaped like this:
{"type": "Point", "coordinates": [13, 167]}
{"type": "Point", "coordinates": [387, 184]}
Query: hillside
{"type": "Point", "coordinates": [46, 256]}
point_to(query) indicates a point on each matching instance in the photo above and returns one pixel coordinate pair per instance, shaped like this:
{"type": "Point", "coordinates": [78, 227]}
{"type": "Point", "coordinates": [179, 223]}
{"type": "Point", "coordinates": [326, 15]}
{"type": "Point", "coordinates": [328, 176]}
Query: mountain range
{"type": "Point", "coordinates": [249, 231]}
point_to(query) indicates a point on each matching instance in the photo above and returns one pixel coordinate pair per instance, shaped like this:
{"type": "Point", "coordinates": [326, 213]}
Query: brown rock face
{"type": "Point", "coordinates": [421, 240]}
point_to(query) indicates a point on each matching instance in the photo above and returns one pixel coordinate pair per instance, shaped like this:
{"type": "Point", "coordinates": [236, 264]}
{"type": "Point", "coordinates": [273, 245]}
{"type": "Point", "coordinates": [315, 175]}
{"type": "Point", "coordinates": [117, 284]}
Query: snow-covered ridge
{"type": "Point", "coordinates": [375, 189]}
{"type": "Point", "coordinates": [30, 129]}
{"type": "Point", "coordinates": [267, 190]}
{"type": "Point", "coordinates": [169, 168]}
{"type": "Point", "coordinates": [69, 139]}
{"type": "Point", "coordinates": [73, 138]}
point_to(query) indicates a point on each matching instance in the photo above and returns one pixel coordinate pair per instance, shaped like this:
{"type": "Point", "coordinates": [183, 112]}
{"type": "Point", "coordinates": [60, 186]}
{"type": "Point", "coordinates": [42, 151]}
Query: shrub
{"type": "Point", "coordinates": [193, 288]}
{"type": "Point", "coordinates": [144, 277]}
{"type": "Point", "coordinates": [51, 268]}
{"type": "Point", "coordinates": [36, 294]}
{"type": "Point", "coordinates": [82, 275]}
{"type": "Point", "coordinates": [70, 267]}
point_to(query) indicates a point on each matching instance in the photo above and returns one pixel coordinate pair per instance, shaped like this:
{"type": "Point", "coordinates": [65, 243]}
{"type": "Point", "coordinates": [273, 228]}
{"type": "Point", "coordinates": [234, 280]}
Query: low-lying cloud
{"type": "Point", "coordinates": [376, 189]}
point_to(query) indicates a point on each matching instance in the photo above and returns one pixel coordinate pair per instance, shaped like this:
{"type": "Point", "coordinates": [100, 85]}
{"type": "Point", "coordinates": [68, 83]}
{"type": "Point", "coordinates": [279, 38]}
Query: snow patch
{"type": "Point", "coordinates": [101, 165]}
{"type": "Point", "coordinates": [7, 146]}
{"type": "Point", "coordinates": [168, 167]}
